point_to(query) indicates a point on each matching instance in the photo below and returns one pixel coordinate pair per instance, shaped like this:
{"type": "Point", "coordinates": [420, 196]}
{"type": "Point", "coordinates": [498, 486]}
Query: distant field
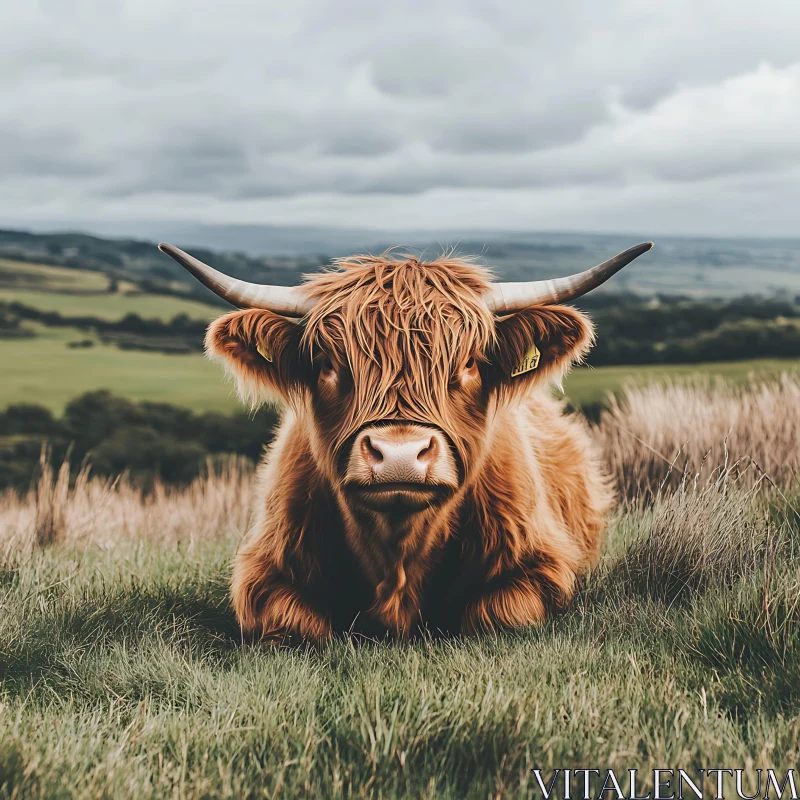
{"type": "Point", "coordinates": [110, 306]}
{"type": "Point", "coordinates": [44, 370]}
{"type": "Point", "coordinates": [58, 289]}
{"type": "Point", "coordinates": [22, 275]}
{"type": "Point", "coordinates": [590, 385]}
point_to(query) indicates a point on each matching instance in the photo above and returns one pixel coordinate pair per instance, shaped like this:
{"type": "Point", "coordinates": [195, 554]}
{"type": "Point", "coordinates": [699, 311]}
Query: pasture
{"type": "Point", "coordinates": [75, 292]}
{"type": "Point", "coordinates": [46, 371]}
{"type": "Point", "coordinates": [18, 275]}
{"type": "Point", "coordinates": [123, 673]}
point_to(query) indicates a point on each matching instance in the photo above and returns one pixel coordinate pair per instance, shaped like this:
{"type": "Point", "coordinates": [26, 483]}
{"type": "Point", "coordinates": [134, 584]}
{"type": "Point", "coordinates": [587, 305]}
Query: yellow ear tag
{"type": "Point", "coordinates": [530, 362]}
{"type": "Point", "coordinates": [263, 353]}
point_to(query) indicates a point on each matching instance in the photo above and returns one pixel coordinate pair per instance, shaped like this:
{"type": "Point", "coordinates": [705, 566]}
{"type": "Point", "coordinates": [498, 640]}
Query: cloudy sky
{"type": "Point", "coordinates": [622, 115]}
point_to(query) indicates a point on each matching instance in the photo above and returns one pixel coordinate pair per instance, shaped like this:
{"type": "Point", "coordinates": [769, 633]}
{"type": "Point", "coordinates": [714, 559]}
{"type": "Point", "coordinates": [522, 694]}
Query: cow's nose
{"type": "Point", "coordinates": [399, 460]}
{"type": "Point", "coordinates": [405, 453]}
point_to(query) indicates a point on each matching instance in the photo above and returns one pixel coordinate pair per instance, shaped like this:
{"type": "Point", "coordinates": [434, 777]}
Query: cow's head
{"type": "Point", "coordinates": [397, 368]}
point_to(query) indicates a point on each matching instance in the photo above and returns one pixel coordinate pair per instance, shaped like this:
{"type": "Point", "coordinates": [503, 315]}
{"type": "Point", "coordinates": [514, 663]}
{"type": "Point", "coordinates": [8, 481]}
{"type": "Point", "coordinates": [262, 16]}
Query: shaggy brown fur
{"type": "Point", "coordinates": [394, 340]}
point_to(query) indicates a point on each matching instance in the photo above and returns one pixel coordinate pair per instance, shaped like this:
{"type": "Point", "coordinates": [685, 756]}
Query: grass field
{"type": "Point", "coordinates": [74, 292]}
{"type": "Point", "coordinates": [44, 370]}
{"type": "Point", "coordinates": [585, 385]}
{"type": "Point", "coordinates": [123, 675]}
{"type": "Point", "coordinates": [110, 306]}
{"type": "Point", "coordinates": [53, 279]}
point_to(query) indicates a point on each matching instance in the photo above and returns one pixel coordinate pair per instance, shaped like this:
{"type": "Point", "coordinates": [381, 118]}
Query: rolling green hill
{"type": "Point", "coordinates": [45, 371]}
{"type": "Point", "coordinates": [74, 292]}
{"type": "Point", "coordinates": [140, 261]}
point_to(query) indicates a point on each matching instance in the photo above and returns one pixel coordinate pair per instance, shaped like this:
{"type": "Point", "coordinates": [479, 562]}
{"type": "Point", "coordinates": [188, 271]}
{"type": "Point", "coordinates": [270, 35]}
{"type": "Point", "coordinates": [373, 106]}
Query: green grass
{"type": "Point", "coordinates": [44, 370]}
{"type": "Point", "coordinates": [53, 279]}
{"type": "Point", "coordinates": [84, 293]}
{"type": "Point", "coordinates": [110, 306]}
{"type": "Point", "coordinates": [123, 676]}
{"type": "Point", "coordinates": [592, 385]}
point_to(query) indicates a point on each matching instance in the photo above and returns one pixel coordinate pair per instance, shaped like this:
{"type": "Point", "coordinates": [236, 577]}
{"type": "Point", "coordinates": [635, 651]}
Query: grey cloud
{"type": "Point", "coordinates": [189, 161]}
{"type": "Point", "coordinates": [236, 106]}
{"type": "Point", "coordinates": [498, 131]}
{"type": "Point", "coordinates": [644, 95]}
{"type": "Point", "coordinates": [45, 153]}
{"type": "Point", "coordinates": [404, 175]}
{"type": "Point", "coordinates": [359, 143]}
{"type": "Point", "coordinates": [422, 67]}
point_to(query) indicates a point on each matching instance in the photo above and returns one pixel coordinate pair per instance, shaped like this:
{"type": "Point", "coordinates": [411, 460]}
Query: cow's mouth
{"type": "Point", "coordinates": [399, 497]}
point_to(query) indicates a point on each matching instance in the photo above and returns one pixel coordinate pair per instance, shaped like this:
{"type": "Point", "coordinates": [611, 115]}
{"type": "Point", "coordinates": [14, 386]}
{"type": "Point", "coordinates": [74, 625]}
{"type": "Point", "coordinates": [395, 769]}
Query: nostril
{"type": "Point", "coordinates": [428, 453]}
{"type": "Point", "coordinates": [372, 455]}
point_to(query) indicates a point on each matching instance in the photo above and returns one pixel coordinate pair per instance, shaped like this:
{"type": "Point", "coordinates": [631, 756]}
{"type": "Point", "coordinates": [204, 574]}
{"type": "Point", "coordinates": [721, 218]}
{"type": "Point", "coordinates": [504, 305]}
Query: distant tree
{"type": "Point", "coordinates": [27, 418]}
{"type": "Point", "coordinates": [147, 454]}
{"type": "Point", "coordinates": [94, 416]}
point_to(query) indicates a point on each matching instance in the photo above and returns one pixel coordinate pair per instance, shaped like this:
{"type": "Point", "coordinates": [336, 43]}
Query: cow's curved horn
{"type": "Point", "coordinates": [507, 297]}
{"type": "Point", "coordinates": [286, 300]}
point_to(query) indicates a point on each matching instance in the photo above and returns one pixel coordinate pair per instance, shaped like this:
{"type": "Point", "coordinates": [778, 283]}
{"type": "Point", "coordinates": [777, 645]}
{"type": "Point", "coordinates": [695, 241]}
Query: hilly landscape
{"type": "Point", "coordinates": [695, 267]}
{"type": "Point", "coordinates": [101, 340]}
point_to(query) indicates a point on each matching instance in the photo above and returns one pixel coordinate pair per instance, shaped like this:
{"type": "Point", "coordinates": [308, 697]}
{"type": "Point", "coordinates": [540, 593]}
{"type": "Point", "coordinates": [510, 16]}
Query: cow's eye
{"type": "Point", "coordinates": [327, 369]}
{"type": "Point", "coordinates": [469, 371]}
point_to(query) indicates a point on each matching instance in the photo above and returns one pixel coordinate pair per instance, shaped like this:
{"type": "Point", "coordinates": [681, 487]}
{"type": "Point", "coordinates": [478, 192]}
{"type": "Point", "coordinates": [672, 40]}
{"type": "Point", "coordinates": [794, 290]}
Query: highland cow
{"type": "Point", "coordinates": [422, 474]}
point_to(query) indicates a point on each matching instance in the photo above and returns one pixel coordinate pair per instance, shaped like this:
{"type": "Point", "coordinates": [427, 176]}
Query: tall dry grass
{"type": "Point", "coordinates": [695, 537]}
{"type": "Point", "coordinates": [654, 436]}
{"type": "Point", "coordinates": [82, 509]}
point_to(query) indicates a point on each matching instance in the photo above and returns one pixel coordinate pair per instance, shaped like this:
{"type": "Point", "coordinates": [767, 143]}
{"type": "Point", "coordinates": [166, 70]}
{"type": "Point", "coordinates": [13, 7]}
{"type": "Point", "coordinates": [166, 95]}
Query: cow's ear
{"type": "Point", "coordinates": [262, 351]}
{"type": "Point", "coordinates": [538, 344]}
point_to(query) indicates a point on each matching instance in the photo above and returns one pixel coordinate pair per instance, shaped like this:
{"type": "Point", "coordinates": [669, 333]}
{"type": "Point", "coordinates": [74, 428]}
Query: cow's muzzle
{"type": "Point", "coordinates": [400, 467]}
